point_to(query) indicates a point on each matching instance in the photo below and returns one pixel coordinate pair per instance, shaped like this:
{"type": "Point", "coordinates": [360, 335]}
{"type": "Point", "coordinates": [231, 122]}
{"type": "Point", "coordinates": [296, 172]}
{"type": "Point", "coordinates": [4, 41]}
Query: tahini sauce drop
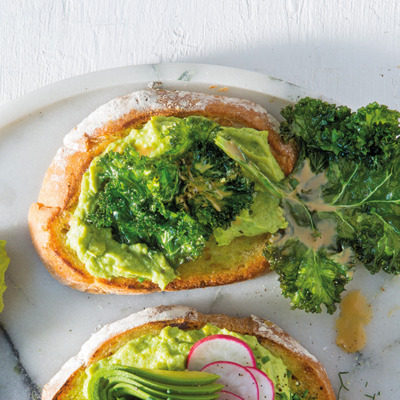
{"type": "Point", "coordinates": [355, 314]}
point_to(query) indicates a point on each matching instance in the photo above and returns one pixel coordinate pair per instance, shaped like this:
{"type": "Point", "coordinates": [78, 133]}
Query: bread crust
{"type": "Point", "coordinates": [308, 373]}
{"type": "Point", "coordinates": [49, 217]}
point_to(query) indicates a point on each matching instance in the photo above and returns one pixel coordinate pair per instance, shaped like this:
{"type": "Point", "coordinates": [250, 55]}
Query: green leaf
{"type": "Point", "coordinates": [347, 205]}
{"type": "Point", "coordinates": [368, 208]}
{"type": "Point", "coordinates": [308, 277]}
{"type": "Point", "coordinates": [327, 133]}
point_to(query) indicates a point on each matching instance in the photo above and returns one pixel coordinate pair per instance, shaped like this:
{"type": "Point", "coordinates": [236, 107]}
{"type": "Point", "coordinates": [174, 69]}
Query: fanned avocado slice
{"type": "Point", "coordinates": [122, 382]}
{"type": "Point", "coordinates": [180, 378]}
{"type": "Point", "coordinates": [180, 389]}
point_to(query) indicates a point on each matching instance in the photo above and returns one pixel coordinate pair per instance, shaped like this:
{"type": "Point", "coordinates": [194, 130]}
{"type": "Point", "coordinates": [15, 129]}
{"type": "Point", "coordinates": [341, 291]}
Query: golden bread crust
{"type": "Point", "coordinates": [308, 373]}
{"type": "Point", "coordinates": [49, 217]}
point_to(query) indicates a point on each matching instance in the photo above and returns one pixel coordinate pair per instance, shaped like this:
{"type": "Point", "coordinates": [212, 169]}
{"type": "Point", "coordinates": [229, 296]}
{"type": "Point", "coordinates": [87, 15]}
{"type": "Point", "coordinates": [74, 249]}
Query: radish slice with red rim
{"type": "Point", "coordinates": [236, 378]}
{"type": "Point", "coordinates": [219, 348]}
{"type": "Point", "coordinates": [224, 395]}
{"type": "Point", "coordinates": [265, 385]}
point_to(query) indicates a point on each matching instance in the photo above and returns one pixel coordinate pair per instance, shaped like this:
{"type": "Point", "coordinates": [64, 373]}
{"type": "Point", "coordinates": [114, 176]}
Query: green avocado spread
{"type": "Point", "coordinates": [152, 200]}
{"type": "Point", "coordinates": [4, 261]}
{"type": "Point", "coordinates": [169, 349]}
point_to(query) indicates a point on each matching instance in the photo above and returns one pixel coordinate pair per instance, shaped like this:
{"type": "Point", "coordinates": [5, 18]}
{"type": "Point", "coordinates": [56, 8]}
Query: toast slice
{"type": "Point", "coordinates": [50, 216]}
{"type": "Point", "coordinates": [307, 372]}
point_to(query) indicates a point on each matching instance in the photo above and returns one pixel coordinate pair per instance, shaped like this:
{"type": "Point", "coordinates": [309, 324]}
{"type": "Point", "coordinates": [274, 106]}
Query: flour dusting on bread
{"type": "Point", "coordinates": [166, 313]}
{"type": "Point", "coordinates": [279, 336]}
{"type": "Point", "coordinates": [150, 100]}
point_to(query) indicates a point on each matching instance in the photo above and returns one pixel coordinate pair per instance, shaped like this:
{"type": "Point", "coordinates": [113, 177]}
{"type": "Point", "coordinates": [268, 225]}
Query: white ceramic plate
{"type": "Point", "coordinates": [48, 322]}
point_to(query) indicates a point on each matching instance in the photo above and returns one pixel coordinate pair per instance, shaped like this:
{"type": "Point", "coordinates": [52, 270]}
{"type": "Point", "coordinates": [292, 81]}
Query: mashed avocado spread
{"type": "Point", "coordinates": [169, 349]}
{"type": "Point", "coordinates": [4, 261]}
{"type": "Point", "coordinates": [152, 200]}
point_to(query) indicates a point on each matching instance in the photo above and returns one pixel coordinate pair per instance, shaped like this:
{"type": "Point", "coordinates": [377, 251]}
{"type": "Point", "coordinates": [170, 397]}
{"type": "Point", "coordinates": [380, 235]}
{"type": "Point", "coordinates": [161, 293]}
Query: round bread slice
{"type": "Point", "coordinates": [307, 371]}
{"type": "Point", "coordinates": [49, 218]}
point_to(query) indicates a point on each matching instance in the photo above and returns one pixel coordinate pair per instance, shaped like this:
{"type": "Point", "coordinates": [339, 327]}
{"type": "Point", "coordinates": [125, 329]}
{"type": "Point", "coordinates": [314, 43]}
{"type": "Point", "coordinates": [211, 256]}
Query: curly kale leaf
{"type": "Point", "coordinates": [214, 189]}
{"type": "Point", "coordinates": [356, 211]}
{"type": "Point", "coordinates": [183, 132]}
{"type": "Point", "coordinates": [172, 203]}
{"type": "Point", "coordinates": [352, 196]}
{"type": "Point", "coordinates": [367, 208]}
{"type": "Point", "coordinates": [308, 277]}
{"type": "Point", "coordinates": [136, 202]}
{"type": "Point", "coordinates": [313, 266]}
{"type": "Point", "coordinates": [326, 133]}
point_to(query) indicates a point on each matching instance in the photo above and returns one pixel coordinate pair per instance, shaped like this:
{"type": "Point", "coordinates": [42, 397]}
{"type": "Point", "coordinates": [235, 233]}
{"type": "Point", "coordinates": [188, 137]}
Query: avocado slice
{"type": "Point", "coordinates": [181, 378]}
{"type": "Point", "coordinates": [123, 382]}
{"type": "Point", "coordinates": [153, 393]}
{"type": "Point", "coordinates": [176, 389]}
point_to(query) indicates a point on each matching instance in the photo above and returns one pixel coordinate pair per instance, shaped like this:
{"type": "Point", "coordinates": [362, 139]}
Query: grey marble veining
{"type": "Point", "coordinates": [45, 323]}
{"type": "Point", "coordinates": [14, 379]}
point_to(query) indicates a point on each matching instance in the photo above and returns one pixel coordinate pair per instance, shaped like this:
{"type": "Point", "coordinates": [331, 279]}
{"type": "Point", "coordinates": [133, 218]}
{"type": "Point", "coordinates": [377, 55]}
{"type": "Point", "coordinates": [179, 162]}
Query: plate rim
{"type": "Point", "coordinates": [31, 102]}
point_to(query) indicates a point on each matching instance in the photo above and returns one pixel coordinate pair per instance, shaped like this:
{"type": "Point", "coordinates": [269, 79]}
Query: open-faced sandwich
{"type": "Point", "coordinates": [177, 353]}
{"type": "Point", "coordinates": [142, 197]}
{"type": "Point", "coordinates": [167, 190]}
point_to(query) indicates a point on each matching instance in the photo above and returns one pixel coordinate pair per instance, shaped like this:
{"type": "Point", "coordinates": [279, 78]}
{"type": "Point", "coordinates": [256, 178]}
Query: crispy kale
{"type": "Point", "coordinates": [214, 189]}
{"type": "Point", "coordinates": [326, 133]}
{"type": "Point", "coordinates": [134, 203]}
{"type": "Point", "coordinates": [174, 202]}
{"type": "Point", "coordinates": [342, 202]}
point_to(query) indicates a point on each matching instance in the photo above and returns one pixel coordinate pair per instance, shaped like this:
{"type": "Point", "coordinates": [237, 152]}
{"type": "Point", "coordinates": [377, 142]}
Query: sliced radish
{"type": "Point", "coordinates": [236, 378]}
{"type": "Point", "coordinates": [224, 395]}
{"type": "Point", "coordinates": [219, 348]}
{"type": "Point", "coordinates": [265, 386]}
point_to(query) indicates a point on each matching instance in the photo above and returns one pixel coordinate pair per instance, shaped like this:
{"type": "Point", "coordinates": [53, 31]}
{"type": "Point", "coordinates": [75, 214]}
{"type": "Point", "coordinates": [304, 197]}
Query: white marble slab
{"type": "Point", "coordinates": [45, 323]}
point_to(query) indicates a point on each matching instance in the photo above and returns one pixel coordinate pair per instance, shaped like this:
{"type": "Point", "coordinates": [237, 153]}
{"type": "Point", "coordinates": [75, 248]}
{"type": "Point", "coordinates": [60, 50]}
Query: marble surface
{"type": "Point", "coordinates": [45, 323]}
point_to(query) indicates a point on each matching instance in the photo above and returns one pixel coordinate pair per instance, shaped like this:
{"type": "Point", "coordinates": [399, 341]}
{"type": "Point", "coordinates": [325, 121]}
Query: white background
{"type": "Point", "coordinates": [348, 50]}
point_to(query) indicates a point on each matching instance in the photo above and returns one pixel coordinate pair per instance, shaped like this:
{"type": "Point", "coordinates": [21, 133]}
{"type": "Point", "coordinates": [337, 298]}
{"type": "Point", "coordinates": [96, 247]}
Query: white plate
{"type": "Point", "coordinates": [48, 322]}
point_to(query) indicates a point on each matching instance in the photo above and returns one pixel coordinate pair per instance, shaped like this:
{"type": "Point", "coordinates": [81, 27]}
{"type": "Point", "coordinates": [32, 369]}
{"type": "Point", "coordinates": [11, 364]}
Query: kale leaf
{"type": "Point", "coordinates": [342, 202]}
{"type": "Point", "coordinates": [308, 277]}
{"type": "Point", "coordinates": [367, 203]}
{"type": "Point", "coordinates": [174, 202]}
{"type": "Point", "coordinates": [214, 189]}
{"type": "Point", "coordinates": [328, 133]}
{"type": "Point", "coordinates": [358, 154]}
{"type": "Point", "coordinates": [136, 202]}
